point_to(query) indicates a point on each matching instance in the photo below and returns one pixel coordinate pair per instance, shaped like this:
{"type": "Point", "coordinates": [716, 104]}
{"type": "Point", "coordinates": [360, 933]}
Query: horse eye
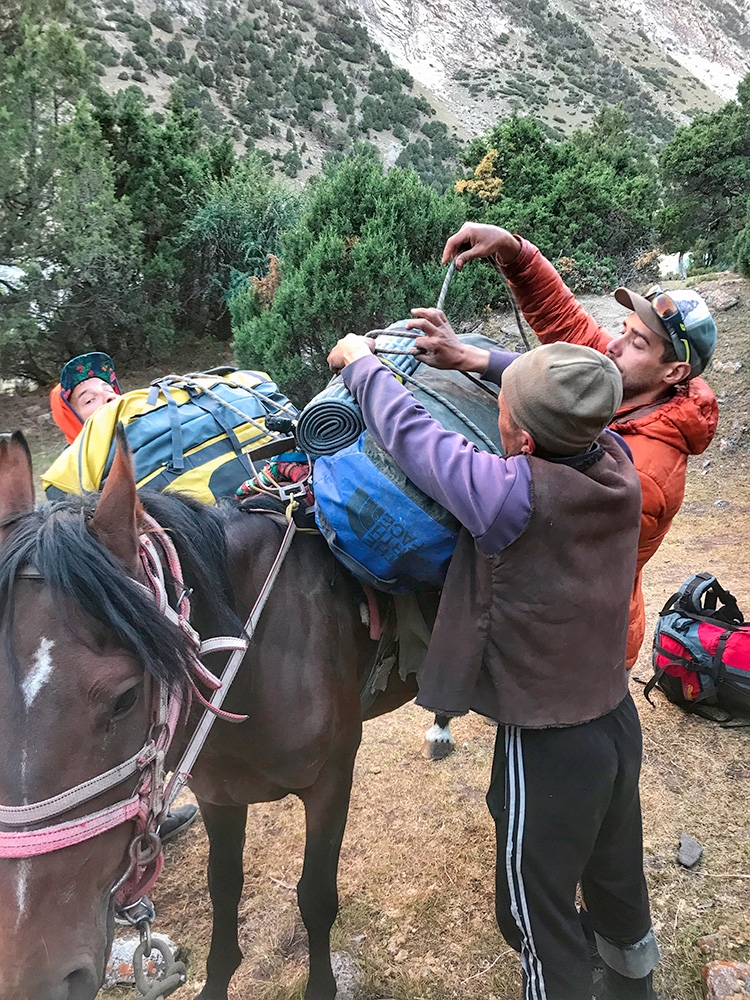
{"type": "Point", "coordinates": [126, 701]}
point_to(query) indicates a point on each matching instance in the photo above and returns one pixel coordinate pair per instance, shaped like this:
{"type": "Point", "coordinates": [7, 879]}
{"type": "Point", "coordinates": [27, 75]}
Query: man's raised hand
{"type": "Point", "coordinates": [477, 240]}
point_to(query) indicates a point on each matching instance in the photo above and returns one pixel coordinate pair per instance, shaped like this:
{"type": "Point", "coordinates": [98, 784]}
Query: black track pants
{"type": "Point", "coordinates": [567, 810]}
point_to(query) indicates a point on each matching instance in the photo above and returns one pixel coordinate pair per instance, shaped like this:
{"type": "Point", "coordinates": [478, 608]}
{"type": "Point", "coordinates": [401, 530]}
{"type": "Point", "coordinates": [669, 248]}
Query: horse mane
{"type": "Point", "coordinates": [55, 540]}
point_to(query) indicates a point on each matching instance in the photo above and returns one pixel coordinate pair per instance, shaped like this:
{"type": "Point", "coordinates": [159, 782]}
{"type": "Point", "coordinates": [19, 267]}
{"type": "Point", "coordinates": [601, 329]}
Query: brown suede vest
{"type": "Point", "coordinates": [535, 635]}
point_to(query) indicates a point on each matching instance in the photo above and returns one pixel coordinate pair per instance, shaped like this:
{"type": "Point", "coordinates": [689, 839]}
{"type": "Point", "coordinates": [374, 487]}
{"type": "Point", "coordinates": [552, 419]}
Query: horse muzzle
{"type": "Point", "coordinates": [81, 983]}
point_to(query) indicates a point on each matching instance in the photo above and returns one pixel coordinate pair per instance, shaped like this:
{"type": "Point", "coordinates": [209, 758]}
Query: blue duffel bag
{"type": "Point", "coordinates": [375, 520]}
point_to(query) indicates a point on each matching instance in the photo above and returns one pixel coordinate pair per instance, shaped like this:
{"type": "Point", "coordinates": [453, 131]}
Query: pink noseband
{"type": "Point", "coordinates": [151, 798]}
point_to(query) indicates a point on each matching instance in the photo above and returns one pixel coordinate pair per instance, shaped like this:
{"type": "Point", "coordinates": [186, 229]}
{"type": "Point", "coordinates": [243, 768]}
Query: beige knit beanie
{"type": "Point", "coordinates": [564, 395]}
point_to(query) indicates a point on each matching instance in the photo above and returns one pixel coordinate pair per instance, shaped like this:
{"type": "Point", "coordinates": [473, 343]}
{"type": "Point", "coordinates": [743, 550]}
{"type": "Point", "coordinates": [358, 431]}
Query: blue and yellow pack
{"type": "Point", "coordinates": [188, 432]}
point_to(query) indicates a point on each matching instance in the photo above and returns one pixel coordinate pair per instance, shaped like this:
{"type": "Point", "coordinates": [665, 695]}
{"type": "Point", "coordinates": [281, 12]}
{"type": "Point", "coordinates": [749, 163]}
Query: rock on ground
{"type": "Point", "coordinates": [120, 965]}
{"type": "Point", "coordinates": [726, 980]}
{"type": "Point", "coordinates": [347, 974]}
{"type": "Point", "coordinates": [710, 944]}
{"type": "Point", "coordinates": [690, 851]}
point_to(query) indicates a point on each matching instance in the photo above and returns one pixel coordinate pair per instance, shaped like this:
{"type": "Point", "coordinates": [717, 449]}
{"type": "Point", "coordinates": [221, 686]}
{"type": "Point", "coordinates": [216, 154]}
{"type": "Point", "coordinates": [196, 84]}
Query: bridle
{"type": "Point", "coordinates": [153, 794]}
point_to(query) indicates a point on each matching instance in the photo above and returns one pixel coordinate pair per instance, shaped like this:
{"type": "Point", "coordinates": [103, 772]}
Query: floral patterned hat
{"type": "Point", "coordinates": [85, 366]}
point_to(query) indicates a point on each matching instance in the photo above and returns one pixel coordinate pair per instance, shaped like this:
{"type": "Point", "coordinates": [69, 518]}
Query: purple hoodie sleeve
{"type": "Point", "coordinates": [499, 361]}
{"type": "Point", "coordinates": [488, 494]}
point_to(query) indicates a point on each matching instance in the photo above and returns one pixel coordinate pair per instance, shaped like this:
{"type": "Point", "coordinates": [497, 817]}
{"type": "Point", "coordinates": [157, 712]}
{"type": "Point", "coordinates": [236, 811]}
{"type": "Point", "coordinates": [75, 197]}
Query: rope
{"type": "Point", "coordinates": [446, 282]}
{"type": "Point", "coordinates": [183, 768]}
{"type": "Point", "coordinates": [491, 446]}
{"type": "Point", "coordinates": [516, 311]}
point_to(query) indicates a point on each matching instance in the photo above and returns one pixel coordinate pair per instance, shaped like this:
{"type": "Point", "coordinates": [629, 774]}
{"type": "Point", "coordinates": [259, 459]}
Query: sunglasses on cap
{"type": "Point", "coordinates": [669, 313]}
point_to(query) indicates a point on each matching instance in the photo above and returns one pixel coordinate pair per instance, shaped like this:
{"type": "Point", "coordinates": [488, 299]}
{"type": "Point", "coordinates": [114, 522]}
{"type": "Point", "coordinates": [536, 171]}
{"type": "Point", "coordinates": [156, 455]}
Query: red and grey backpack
{"type": "Point", "coordinates": [701, 652]}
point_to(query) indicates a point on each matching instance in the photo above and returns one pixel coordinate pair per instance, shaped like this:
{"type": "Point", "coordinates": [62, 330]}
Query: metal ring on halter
{"type": "Point", "coordinates": [137, 860]}
{"type": "Point", "coordinates": [149, 853]}
{"type": "Point", "coordinates": [135, 914]}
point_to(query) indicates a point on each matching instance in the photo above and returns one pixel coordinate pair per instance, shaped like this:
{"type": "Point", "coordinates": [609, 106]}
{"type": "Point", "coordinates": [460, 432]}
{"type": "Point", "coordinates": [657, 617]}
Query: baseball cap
{"type": "Point", "coordinates": [690, 328]}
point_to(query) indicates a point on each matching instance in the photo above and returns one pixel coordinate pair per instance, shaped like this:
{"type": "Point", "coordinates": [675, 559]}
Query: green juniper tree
{"type": "Point", "coordinates": [366, 250]}
{"type": "Point", "coordinates": [706, 174]}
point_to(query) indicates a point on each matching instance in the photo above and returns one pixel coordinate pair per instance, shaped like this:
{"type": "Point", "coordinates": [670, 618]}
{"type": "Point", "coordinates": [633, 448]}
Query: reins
{"type": "Point", "coordinates": [181, 773]}
{"type": "Point", "coordinates": [150, 802]}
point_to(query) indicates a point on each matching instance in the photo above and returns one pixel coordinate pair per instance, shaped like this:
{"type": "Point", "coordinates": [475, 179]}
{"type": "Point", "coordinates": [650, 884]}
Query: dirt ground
{"type": "Point", "coordinates": [416, 873]}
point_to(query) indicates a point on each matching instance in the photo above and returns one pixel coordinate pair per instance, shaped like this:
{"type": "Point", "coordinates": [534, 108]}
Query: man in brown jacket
{"type": "Point", "coordinates": [531, 631]}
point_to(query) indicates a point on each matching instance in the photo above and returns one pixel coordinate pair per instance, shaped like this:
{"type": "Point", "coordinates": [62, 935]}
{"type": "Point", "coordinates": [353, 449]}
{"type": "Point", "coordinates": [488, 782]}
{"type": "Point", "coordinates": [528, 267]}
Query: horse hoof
{"type": "Point", "coordinates": [438, 743]}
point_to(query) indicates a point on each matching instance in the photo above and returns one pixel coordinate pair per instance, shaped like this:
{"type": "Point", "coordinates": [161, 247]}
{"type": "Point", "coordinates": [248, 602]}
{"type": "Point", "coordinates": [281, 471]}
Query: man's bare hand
{"type": "Point", "coordinates": [477, 240]}
{"type": "Point", "coordinates": [348, 349]}
{"type": "Point", "coordinates": [439, 346]}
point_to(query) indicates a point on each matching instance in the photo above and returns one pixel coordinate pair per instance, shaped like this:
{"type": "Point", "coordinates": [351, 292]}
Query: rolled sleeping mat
{"type": "Point", "coordinates": [330, 421]}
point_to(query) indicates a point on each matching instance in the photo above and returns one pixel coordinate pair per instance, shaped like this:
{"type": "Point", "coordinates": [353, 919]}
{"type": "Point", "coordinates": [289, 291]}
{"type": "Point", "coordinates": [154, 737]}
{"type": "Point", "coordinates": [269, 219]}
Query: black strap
{"type": "Point", "coordinates": [718, 660]}
{"type": "Point", "coordinates": [668, 607]}
{"type": "Point", "coordinates": [711, 619]}
{"type": "Point", "coordinates": [705, 604]}
{"type": "Point", "coordinates": [658, 674]}
{"type": "Point", "coordinates": [678, 661]}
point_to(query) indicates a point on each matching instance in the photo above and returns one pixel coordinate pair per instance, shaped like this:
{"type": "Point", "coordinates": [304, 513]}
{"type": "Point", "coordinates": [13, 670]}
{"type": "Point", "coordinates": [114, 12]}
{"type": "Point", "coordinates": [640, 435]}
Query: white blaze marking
{"type": "Point", "coordinates": [24, 784]}
{"type": "Point", "coordinates": [22, 881]}
{"type": "Point", "coordinates": [40, 673]}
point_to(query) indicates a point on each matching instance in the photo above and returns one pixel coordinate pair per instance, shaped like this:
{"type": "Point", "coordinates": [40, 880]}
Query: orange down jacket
{"type": "Point", "coordinates": [660, 440]}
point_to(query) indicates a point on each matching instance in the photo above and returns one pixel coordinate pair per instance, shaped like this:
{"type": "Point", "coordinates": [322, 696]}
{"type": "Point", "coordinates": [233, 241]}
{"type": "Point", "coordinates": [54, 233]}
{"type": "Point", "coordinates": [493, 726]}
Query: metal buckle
{"type": "Point", "coordinates": [294, 492]}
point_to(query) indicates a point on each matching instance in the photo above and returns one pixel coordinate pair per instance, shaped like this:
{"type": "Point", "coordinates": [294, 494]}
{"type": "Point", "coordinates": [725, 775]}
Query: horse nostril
{"type": "Point", "coordinates": [81, 984]}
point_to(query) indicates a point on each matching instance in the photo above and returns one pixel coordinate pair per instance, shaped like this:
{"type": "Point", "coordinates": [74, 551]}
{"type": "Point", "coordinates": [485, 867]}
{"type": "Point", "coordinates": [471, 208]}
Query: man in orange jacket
{"type": "Point", "coordinates": [667, 411]}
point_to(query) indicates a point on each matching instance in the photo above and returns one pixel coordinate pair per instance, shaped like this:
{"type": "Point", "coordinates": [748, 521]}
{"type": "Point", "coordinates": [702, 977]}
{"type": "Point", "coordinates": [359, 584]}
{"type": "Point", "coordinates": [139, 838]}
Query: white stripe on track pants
{"type": "Point", "coordinates": [567, 810]}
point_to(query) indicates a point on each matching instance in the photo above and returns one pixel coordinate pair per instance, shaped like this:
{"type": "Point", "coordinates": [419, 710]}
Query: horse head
{"type": "Point", "coordinates": [79, 657]}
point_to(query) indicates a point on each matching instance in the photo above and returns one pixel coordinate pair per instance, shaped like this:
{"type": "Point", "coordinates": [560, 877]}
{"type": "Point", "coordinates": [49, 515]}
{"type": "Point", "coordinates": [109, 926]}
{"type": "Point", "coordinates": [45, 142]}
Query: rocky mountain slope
{"type": "Point", "coordinates": [300, 78]}
{"type": "Point", "coordinates": [665, 58]}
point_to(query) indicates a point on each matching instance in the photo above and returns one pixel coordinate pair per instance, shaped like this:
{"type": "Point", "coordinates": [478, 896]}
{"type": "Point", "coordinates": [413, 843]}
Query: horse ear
{"type": "Point", "coordinates": [16, 478]}
{"type": "Point", "coordinates": [115, 520]}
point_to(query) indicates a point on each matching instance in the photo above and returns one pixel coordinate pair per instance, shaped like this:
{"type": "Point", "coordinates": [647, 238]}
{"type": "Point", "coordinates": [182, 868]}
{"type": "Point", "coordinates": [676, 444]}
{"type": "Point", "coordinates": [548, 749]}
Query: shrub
{"type": "Point", "coordinates": [366, 250]}
{"type": "Point", "coordinates": [175, 50]}
{"type": "Point", "coordinates": [130, 59]}
{"type": "Point", "coordinates": [161, 19]}
{"type": "Point", "coordinates": [742, 248]}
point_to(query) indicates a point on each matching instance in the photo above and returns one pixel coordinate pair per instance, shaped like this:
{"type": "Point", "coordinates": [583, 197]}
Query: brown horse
{"type": "Point", "coordinates": [81, 650]}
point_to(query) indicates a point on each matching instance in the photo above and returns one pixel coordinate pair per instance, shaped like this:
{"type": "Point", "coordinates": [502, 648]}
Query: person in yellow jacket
{"type": "Point", "coordinates": [87, 382]}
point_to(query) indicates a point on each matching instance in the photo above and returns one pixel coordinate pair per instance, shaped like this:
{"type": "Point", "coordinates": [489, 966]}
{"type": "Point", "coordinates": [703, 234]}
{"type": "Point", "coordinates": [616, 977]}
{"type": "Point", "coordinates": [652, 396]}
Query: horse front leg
{"type": "Point", "coordinates": [226, 835]}
{"type": "Point", "coordinates": [326, 808]}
